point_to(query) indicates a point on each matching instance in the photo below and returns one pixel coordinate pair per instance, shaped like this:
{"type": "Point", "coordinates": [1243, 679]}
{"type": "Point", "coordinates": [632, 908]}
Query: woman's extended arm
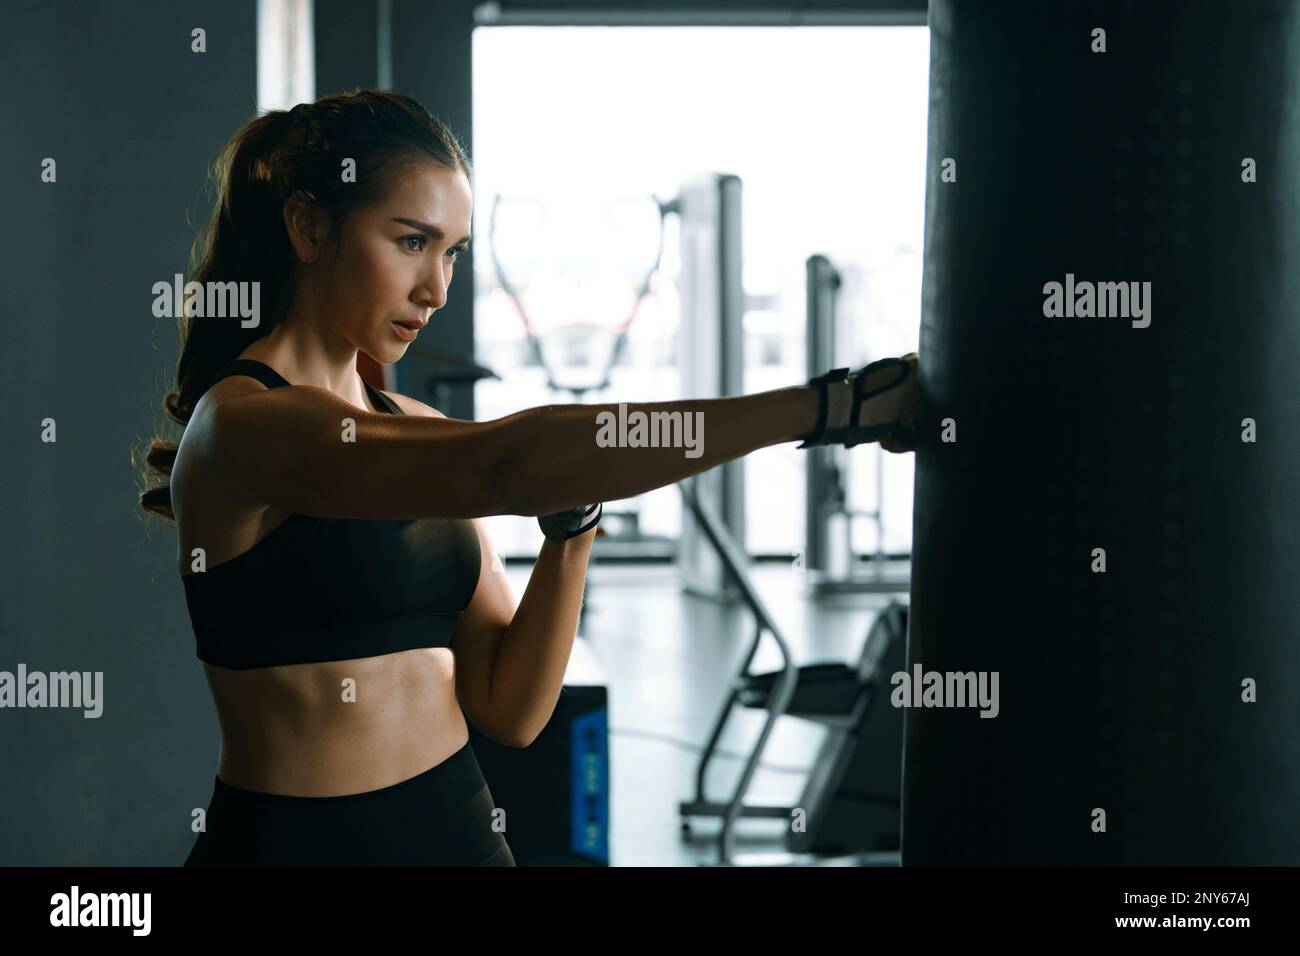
{"type": "Point", "coordinates": [517, 682]}
{"type": "Point", "coordinates": [305, 450]}
{"type": "Point", "coordinates": [553, 460]}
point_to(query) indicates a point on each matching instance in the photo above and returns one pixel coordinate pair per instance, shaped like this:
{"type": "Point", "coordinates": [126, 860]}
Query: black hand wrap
{"type": "Point", "coordinates": [571, 523]}
{"type": "Point", "coordinates": [818, 436]}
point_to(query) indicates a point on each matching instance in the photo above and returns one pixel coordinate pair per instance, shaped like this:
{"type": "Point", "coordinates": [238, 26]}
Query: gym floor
{"type": "Point", "coordinates": [668, 658]}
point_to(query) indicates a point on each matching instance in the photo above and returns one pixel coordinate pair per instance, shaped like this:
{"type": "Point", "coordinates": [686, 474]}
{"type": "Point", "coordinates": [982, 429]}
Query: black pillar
{"type": "Point", "coordinates": [428, 48]}
{"type": "Point", "coordinates": [431, 61]}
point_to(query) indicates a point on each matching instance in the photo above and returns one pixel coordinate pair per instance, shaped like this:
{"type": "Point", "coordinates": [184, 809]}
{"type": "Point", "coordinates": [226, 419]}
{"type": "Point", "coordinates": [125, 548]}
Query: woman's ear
{"type": "Point", "coordinates": [306, 226]}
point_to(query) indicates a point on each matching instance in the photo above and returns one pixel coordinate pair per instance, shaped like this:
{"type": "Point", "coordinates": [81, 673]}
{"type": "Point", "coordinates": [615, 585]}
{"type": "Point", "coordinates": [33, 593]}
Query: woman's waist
{"type": "Point", "coordinates": [325, 768]}
{"type": "Point", "coordinates": [338, 729]}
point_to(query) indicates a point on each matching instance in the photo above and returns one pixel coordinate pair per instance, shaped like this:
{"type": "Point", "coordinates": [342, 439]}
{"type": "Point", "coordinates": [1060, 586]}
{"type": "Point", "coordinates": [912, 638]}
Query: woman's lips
{"type": "Point", "coordinates": [403, 333]}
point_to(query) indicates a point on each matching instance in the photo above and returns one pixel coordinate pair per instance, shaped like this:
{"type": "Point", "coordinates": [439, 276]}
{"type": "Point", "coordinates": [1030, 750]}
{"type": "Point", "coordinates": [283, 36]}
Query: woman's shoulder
{"type": "Point", "coordinates": [232, 386]}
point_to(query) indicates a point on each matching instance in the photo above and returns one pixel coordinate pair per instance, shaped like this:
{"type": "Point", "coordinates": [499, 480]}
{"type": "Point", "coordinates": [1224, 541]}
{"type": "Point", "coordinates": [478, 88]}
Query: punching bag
{"type": "Point", "coordinates": [1104, 651]}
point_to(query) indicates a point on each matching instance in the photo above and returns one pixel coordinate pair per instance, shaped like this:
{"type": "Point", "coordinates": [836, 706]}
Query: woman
{"type": "Point", "coordinates": [341, 588]}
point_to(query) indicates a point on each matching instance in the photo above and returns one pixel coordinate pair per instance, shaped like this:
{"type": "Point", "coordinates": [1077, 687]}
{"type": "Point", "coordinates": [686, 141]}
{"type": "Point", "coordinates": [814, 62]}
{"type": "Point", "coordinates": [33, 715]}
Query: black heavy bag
{"type": "Point", "coordinates": [1106, 490]}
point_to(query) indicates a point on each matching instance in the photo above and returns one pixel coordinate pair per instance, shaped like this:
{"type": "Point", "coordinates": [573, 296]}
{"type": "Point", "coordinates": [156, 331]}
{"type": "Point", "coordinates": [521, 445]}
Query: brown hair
{"type": "Point", "coordinates": [271, 158]}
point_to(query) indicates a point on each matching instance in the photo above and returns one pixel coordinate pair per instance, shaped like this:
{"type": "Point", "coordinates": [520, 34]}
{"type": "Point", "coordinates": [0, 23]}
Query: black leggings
{"type": "Point", "coordinates": [442, 817]}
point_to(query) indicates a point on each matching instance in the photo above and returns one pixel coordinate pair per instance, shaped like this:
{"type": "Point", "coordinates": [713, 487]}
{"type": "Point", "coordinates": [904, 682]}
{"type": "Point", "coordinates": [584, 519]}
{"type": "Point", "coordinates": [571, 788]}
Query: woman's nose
{"type": "Point", "coordinates": [433, 293]}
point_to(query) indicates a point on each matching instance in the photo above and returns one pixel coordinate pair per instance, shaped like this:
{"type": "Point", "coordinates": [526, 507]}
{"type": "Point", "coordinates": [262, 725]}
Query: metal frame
{"type": "Point", "coordinates": [711, 356]}
{"type": "Point", "coordinates": [821, 786]}
{"type": "Point", "coordinates": [826, 493]}
{"type": "Point", "coordinates": [668, 13]}
{"type": "Point", "coordinates": [620, 339]}
{"type": "Point", "coordinates": [733, 560]}
{"type": "Point", "coordinates": [636, 540]}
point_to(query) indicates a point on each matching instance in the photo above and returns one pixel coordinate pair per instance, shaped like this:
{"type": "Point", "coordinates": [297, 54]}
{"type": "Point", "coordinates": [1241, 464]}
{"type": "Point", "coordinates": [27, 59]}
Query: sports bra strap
{"type": "Point", "coordinates": [381, 400]}
{"type": "Point", "coordinates": [273, 379]}
{"type": "Point", "coordinates": [254, 369]}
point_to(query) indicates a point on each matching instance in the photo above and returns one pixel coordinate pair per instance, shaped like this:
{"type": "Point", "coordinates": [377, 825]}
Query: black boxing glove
{"type": "Point", "coordinates": [571, 523]}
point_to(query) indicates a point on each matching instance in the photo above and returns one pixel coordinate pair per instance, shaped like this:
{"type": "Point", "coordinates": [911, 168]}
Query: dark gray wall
{"type": "Point", "coordinates": [132, 117]}
{"type": "Point", "coordinates": [430, 46]}
{"type": "Point", "coordinates": [346, 45]}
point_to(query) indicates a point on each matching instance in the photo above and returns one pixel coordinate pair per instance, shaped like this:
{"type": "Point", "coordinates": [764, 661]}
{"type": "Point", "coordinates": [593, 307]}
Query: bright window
{"type": "Point", "coordinates": [826, 126]}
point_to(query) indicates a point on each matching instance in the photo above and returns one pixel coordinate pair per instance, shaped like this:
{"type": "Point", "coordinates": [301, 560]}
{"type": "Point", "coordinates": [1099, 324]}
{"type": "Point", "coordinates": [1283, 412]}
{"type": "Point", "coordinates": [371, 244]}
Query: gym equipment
{"type": "Point", "coordinates": [514, 244]}
{"type": "Point", "coordinates": [831, 565]}
{"type": "Point", "coordinates": [711, 357]}
{"type": "Point", "coordinates": [1127, 483]}
{"type": "Point", "coordinates": [710, 345]}
{"type": "Point", "coordinates": [555, 793]}
{"type": "Point", "coordinates": [853, 796]}
{"type": "Point", "coordinates": [635, 240]}
{"type": "Point", "coordinates": [449, 369]}
{"type": "Point", "coordinates": [837, 817]}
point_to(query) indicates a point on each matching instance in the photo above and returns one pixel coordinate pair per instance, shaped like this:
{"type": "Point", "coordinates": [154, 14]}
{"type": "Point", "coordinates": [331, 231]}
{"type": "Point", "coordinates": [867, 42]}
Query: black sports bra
{"type": "Point", "coordinates": [331, 589]}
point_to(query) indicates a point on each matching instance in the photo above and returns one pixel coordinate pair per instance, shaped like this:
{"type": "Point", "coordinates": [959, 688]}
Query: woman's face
{"type": "Point", "coordinates": [395, 260]}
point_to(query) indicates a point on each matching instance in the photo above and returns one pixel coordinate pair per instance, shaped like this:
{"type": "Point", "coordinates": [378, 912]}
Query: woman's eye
{"type": "Point", "coordinates": [420, 239]}
{"type": "Point", "coordinates": [453, 253]}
